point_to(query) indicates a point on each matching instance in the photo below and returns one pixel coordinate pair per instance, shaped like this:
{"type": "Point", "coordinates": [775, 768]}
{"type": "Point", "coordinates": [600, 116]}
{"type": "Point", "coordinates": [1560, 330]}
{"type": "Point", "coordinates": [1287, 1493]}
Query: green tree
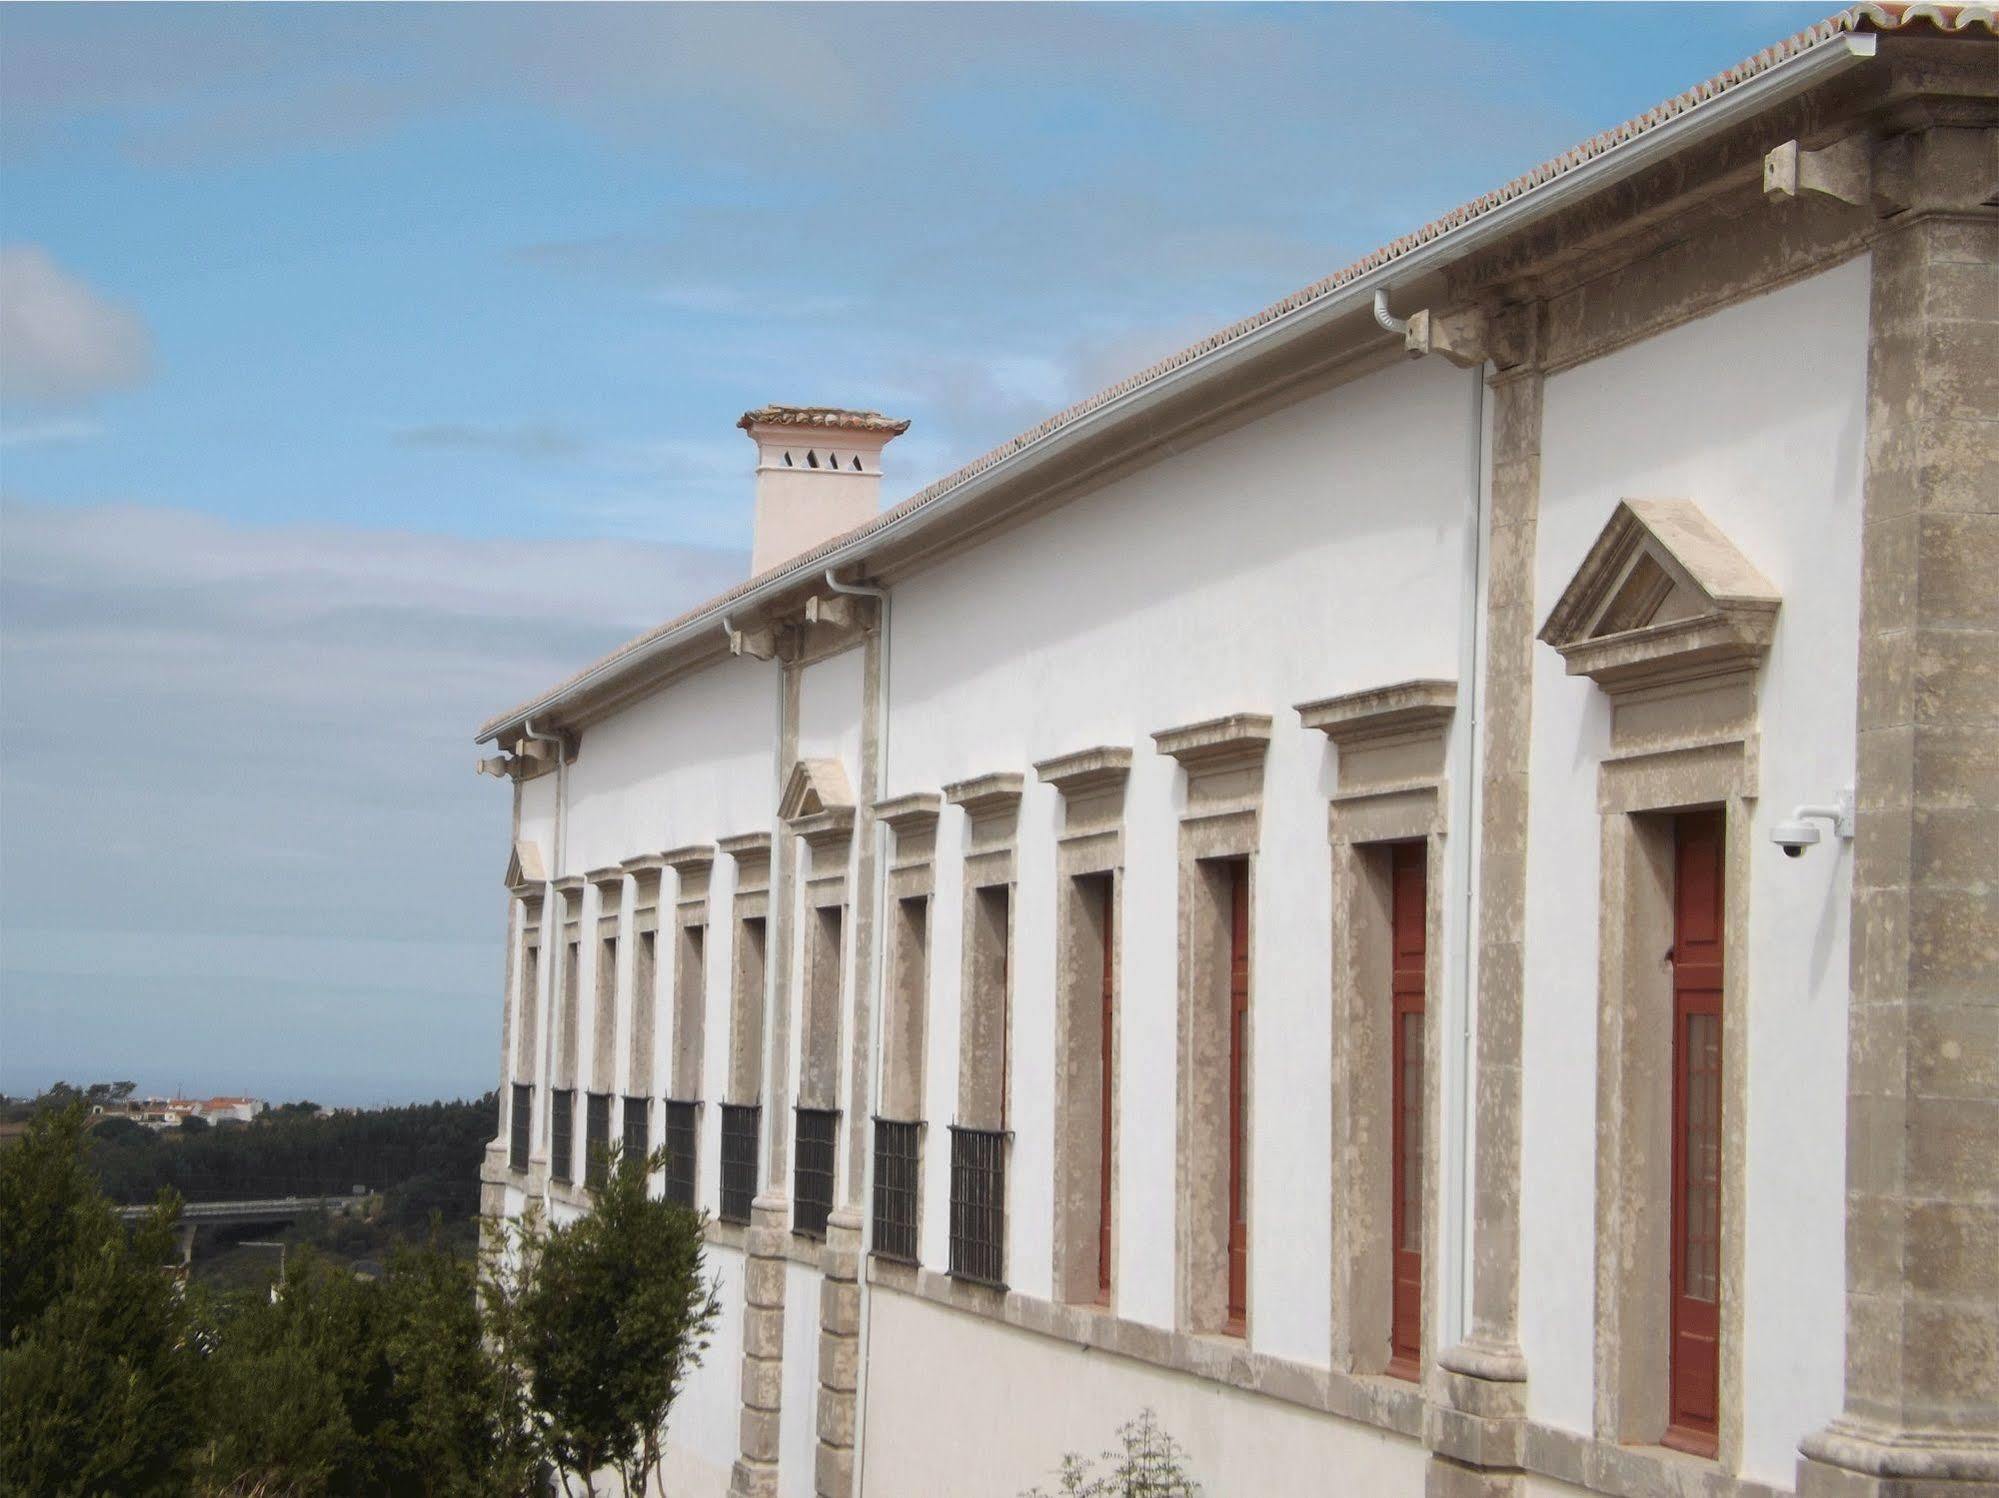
{"type": "Point", "coordinates": [602, 1320]}
{"type": "Point", "coordinates": [100, 1386]}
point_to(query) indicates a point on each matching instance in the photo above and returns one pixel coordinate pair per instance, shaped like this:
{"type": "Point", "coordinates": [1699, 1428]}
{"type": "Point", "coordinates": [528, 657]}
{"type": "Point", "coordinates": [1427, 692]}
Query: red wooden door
{"type": "Point", "coordinates": [1238, 1304]}
{"type": "Point", "coordinates": [1105, 1041]}
{"type": "Point", "coordinates": [1696, 1260]}
{"type": "Point", "coordinates": [1409, 906]}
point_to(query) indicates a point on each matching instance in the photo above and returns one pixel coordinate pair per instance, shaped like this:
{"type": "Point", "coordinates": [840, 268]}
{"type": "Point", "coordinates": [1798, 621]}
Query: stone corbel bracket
{"type": "Point", "coordinates": [1846, 170]}
{"type": "Point", "coordinates": [1459, 337]}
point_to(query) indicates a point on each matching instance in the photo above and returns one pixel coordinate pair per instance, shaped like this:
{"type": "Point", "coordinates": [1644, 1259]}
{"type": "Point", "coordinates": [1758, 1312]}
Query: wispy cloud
{"type": "Point", "coordinates": [532, 440]}
{"type": "Point", "coordinates": [62, 342]}
{"type": "Point", "coordinates": [48, 433]}
{"type": "Point", "coordinates": [254, 744]}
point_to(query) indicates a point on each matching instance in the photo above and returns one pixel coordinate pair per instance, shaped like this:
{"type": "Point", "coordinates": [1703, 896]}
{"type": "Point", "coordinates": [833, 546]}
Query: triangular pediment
{"type": "Point", "coordinates": [524, 865]}
{"type": "Point", "coordinates": [816, 785]}
{"type": "Point", "coordinates": [1662, 594]}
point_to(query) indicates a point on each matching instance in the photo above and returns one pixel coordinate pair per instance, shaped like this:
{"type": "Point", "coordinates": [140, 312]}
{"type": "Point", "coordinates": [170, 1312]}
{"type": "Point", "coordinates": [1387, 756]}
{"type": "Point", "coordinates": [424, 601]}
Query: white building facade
{"type": "Point", "coordinates": [1262, 898]}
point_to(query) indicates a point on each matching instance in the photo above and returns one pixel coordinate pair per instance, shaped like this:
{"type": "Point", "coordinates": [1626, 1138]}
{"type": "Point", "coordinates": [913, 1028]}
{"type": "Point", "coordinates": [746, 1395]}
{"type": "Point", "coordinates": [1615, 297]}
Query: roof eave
{"type": "Point", "coordinates": [1806, 69]}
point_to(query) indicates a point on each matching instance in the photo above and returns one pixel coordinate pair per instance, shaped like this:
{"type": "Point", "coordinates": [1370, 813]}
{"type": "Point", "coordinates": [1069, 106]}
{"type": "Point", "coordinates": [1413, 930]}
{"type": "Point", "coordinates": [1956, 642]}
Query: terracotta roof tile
{"type": "Point", "coordinates": [825, 418]}
{"type": "Point", "coordinates": [1858, 18]}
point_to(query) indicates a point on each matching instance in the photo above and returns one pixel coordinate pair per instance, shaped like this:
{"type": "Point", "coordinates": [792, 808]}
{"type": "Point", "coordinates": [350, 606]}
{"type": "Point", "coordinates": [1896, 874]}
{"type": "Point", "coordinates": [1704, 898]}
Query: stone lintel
{"type": "Point", "coordinates": [1684, 650]}
{"type": "Point", "coordinates": [1406, 708]}
{"type": "Point", "coordinates": [986, 796]}
{"type": "Point", "coordinates": [610, 873]}
{"type": "Point", "coordinates": [745, 847]}
{"type": "Point", "coordinates": [828, 829]}
{"type": "Point", "coordinates": [916, 812]}
{"type": "Point", "coordinates": [1087, 772]}
{"type": "Point", "coordinates": [1235, 741]}
{"type": "Point", "coordinates": [570, 884]}
{"type": "Point", "coordinates": [688, 859]}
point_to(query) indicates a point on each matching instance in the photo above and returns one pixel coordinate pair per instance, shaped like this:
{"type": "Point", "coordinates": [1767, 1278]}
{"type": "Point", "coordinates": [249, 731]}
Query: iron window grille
{"type": "Point", "coordinates": [562, 1135]}
{"type": "Point", "coordinates": [596, 1139]}
{"type": "Point", "coordinates": [739, 1160]}
{"type": "Point", "coordinates": [682, 1123]}
{"type": "Point", "coordinates": [638, 1132]}
{"type": "Point", "coordinates": [519, 1126]}
{"type": "Point", "coordinates": [978, 1205]}
{"type": "Point", "coordinates": [896, 1175]}
{"type": "Point", "coordinates": [817, 1130]}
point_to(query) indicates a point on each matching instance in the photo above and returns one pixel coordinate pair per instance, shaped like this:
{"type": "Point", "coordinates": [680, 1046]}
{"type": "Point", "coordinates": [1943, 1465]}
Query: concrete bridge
{"type": "Point", "coordinates": [261, 1212]}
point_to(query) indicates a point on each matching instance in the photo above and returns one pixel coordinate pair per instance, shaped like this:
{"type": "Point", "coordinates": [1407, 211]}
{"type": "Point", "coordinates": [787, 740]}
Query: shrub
{"type": "Point", "coordinates": [1147, 1465]}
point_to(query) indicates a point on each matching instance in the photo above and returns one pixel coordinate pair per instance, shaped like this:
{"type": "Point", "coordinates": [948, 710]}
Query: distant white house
{"type": "Point", "coordinates": [171, 1113]}
{"type": "Point", "coordinates": [1411, 887]}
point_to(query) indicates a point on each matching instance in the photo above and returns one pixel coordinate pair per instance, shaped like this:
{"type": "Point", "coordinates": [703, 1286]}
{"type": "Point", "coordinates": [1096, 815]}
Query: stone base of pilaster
{"type": "Point", "coordinates": [1475, 1425]}
{"type": "Point", "coordinates": [1849, 1459]}
{"type": "Point", "coordinates": [755, 1472]}
{"type": "Point", "coordinates": [839, 1353]}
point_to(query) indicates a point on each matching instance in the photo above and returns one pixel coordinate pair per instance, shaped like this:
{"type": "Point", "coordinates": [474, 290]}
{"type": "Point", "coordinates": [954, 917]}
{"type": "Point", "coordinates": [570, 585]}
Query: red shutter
{"type": "Point", "coordinates": [1409, 905]}
{"type": "Point", "coordinates": [1105, 1082]}
{"type": "Point", "coordinates": [1238, 1301]}
{"type": "Point", "coordinates": [1696, 1289]}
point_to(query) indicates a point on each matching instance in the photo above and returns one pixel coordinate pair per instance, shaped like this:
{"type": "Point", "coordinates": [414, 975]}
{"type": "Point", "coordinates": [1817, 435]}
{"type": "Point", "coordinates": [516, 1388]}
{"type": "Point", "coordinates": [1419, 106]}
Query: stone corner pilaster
{"type": "Point", "coordinates": [1475, 1422]}
{"type": "Point", "coordinates": [755, 1472]}
{"type": "Point", "coordinates": [1851, 1459]}
{"type": "Point", "coordinates": [839, 1354]}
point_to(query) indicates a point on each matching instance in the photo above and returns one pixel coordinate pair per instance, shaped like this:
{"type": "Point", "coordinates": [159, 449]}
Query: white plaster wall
{"type": "Point", "coordinates": [702, 1432]}
{"type": "Point", "coordinates": [1015, 1402]}
{"type": "Point", "coordinates": [798, 1422]}
{"type": "Point", "coordinates": [1315, 551]}
{"type": "Point", "coordinates": [686, 765]}
{"type": "Point", "coordinates": [1757, 414]}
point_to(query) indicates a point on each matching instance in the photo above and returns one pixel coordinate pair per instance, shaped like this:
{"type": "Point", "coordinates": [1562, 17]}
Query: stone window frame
{"type": "Point", "coordinates": [693, 867]}
{"type": "Point", "coordinates": [991, 804]}
{"type": "Point", "coordinates": [566, 981]}
{"type": "Point", "coordinates": [1223, 759]}
{"type": "Point", "coordinates": [912, 875]}
{"type": "Point", "coordinates": [605, 976]}
{"type": "Point", "coordinates": [1088, 846]}
{"type": "Point", "coordinates": [818, 808]}
{"type": "Point", "coordinates": [1391, 789]}
{"type": "Point", "coordinates": [1683, 737]}
{"type": "Point", "coordinates": [747, 992]}
{"type": "Point", "coordinates": [527, 1005]}
{"type": "Point", "coordinates": [648, 876]}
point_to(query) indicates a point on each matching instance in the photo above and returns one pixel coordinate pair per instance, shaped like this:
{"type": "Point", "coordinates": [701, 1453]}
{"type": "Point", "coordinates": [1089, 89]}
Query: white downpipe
{"type": "Point", "coordinates": [1791, 76]}
{"type": "Point", "coordinates": [878, 998]}
{"type": "Point", "coordinates": [544, 1007]}
{"type": "Point", "coordinates": [1462, 850]}
{"type": "Point", "coordinates": [1386, 318]}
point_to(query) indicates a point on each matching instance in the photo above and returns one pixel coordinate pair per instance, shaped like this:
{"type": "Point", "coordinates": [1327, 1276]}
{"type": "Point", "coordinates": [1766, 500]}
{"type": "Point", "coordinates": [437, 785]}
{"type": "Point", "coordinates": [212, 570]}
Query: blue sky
{"type": "Point", "coordinates": [364, 368]}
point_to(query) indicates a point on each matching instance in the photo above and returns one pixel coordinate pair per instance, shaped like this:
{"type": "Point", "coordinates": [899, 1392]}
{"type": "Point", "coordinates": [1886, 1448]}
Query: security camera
{"type": "Point", "coordinates": [1794, 837]}
{"type": "Point", "coordinates": [1801, 831]}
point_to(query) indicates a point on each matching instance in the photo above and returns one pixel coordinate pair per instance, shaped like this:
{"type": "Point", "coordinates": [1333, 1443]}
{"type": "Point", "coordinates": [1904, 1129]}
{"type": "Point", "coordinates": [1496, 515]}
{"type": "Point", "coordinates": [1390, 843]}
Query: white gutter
{"type": "Point", "coordinates": [876, 1000]}
{"type": "Point", "coordinates": [1791, 76]}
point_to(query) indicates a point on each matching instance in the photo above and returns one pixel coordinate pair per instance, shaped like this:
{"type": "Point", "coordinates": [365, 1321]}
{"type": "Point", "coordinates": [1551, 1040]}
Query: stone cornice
{"type": "Point", "coordinates": [570, 884]}
{"type": "Point", "coordinates": [745, 847]}
{"type": "Point", "coordinates": [826, 829]}
{"type": "Point", "coordinates": [916, 812]}
{"type": "Point", "coordinates": [1087, 772]}
{"type": "Point", "coordinates": [1236, 741]}
{"type": "Point", "coordinates": [1404, 709]}
{"type": "Point", "coordinates": [610, 873]}
{"type": "Point", "coordinates": [986, 796]}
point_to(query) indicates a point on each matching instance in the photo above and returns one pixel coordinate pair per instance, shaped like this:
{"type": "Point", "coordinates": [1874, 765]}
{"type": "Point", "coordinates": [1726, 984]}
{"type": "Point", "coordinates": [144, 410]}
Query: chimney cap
{"type": "Point", "coordinates": [822, 418]}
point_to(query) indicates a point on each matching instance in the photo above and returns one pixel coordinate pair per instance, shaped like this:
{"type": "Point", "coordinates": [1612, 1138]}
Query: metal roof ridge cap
{"type": "Point", "coordinates": [1835, 53]}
